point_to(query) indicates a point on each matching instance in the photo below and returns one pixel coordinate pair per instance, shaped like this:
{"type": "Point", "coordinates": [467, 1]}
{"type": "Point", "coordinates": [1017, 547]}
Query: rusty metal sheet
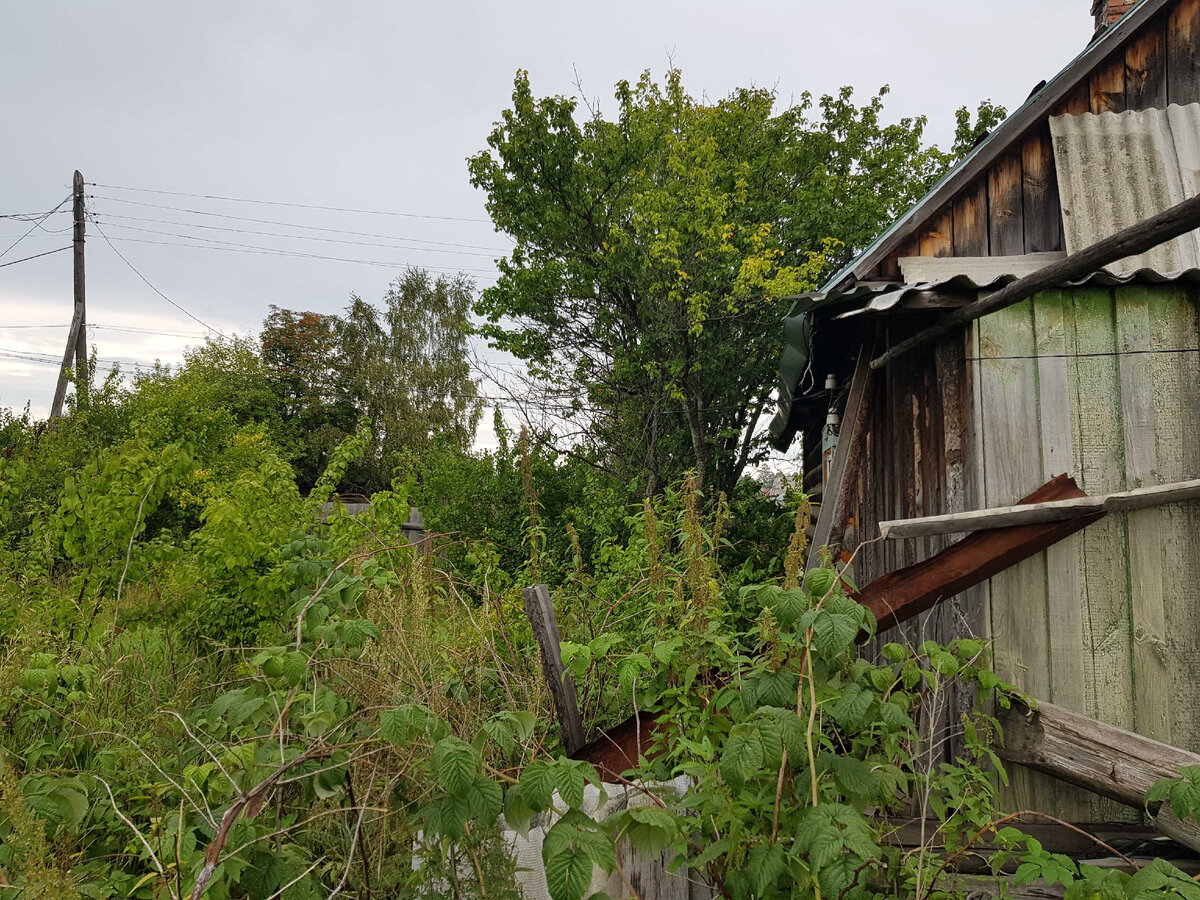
{"type": "Point", "coordinates": [903, 594]}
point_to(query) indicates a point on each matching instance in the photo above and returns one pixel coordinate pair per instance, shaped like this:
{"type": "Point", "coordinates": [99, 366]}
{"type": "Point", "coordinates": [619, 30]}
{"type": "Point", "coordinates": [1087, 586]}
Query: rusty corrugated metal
{"type": "Point", "coordinates": [1118, 169]}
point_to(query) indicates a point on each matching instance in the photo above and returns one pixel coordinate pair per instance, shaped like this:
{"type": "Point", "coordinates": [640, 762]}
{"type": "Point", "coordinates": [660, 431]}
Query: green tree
{"type": "Point", "coordinates": [405, 367]}
{"type": "Point", "coordinates": [300, 351]}
{"type": "Point", "coordinates": [654, 252]}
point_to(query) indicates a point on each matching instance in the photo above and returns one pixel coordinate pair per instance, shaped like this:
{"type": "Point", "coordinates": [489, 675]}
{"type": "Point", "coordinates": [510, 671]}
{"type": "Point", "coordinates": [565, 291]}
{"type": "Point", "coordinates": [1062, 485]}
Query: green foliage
{"type": "Point", "coordinates": [655, 251]}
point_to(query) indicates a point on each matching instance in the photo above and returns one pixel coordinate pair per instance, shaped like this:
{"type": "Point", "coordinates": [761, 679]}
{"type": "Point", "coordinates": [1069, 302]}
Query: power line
{"type": "Point", "coordinates": [215, 215]}
{"type": "Point", "coordinates": [366, 212]}
{"type": "Point", "coordinates": [151, 286]}
{"type": "Point", "coordinates": [28, 217]}
{"type": "Point", "coordinates": [13, 262]}
{"type": "Point", "coordinates": [298, 237]}
{"type": "Point", "coordinates": [125, 328]}
{"type": "Point", "coordinates": [36, 223]}
{"type": "Point", "coordinates": [295, 254]}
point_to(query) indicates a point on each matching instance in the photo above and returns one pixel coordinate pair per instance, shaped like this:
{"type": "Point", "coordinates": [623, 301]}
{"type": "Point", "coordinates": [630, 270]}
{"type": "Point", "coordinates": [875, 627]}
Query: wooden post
{"type": "Point", "coordinates": [77, 337]}
{"type": "Point", "coordinates": [562, 686]}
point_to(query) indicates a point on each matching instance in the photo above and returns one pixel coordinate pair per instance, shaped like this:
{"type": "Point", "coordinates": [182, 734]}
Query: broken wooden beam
{"type": "Point", "coordinates": [1103, 758]}
{"type": "Point", "coordinates": [1034, 513]}
{"type": "Point", "coordinates": [540, 611]}
{"type": "Point", "coordinates": [905, 593]}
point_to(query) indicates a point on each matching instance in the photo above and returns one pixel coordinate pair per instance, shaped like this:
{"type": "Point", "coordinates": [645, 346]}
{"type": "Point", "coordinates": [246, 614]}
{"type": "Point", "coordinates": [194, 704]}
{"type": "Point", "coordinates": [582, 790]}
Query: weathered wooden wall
{"type": "Point", "coordinates": [1013, 208]}
{"type": "Point", "coordinates": [1103, 384]}
{"type": "Point", "coordinates": [913, 460]}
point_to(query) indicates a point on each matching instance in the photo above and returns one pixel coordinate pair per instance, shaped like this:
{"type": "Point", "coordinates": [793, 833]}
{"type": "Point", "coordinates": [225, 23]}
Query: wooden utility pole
{"type": "Point", "coordinates": [77, 337]}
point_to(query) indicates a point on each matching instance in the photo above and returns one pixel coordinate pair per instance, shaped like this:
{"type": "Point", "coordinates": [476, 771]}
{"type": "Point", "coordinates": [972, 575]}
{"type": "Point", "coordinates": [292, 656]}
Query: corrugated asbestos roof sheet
{"type": "Point", "coordinates": [881, 300]}
{"type": "Point", "coordinates": [1118, 169]}
{"type": "Point", "coordinates": [983, 269]}
{"type": "Point", "coordinates": [796, 379]}
{"type": "Point", "coordinates": [1031, 111]}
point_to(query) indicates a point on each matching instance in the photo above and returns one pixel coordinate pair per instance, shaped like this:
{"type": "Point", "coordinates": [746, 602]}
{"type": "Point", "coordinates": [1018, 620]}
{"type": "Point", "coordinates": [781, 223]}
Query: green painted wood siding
{"type": "Point", "coordinates": [1104, 384]}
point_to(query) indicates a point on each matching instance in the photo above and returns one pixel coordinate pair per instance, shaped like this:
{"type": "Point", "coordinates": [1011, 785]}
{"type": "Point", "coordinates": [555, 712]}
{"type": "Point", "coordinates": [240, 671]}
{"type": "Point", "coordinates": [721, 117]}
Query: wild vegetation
{"type": "Point", "coordinates": [209, 688]}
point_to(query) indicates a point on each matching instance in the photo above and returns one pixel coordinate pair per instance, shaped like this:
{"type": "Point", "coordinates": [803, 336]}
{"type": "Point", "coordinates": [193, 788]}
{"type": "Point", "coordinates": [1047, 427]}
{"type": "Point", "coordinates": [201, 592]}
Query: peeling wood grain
{"type": "Point", "coordinates": [1146, 67]}
{"type": "Point", "coordinates": [1107, 85]}
{"type": "Point", "coordinates": [1183, 53]}
{"type": "Point", "coordinates": [970, 220]}
{"type": "Point", "coordinates": [937, 237]}
{"type": "Point", "coordinates": [1042, 213]}
{"type": "Point", "coordinates": [1006, 212]}
{"type": "Point", "coordinates": [1012, 459]}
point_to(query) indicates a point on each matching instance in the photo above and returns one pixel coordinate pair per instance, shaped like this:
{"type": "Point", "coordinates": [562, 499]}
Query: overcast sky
{"type": "Point", "coordinates": [376, 106]}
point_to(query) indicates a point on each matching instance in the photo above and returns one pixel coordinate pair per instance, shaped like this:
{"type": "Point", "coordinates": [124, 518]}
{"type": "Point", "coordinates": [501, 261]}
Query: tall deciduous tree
{"type": "Point", "coordinates": [401, 364]}
{"type": "Point", "coordinates": [654, 250]}
{"type": "Point", "coordinates": [406, 368]}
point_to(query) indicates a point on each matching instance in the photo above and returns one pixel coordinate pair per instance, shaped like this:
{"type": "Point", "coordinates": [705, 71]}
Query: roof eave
{"type": "Point", "coordinates": [985, 153]}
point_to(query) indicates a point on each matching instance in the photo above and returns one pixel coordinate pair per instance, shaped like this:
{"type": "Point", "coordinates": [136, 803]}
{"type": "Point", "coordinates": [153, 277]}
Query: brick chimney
{"type": "Point", "coordinates": [1107, 12]}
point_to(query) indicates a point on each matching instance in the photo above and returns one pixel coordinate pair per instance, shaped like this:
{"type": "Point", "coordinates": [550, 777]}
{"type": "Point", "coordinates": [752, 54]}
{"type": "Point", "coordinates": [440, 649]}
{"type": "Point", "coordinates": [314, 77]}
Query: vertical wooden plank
{"type": "Point", "coordinates": [970, 220]}
{"type": "Point", "coordinates": [1107, 85]}
{"type": "Point", "coordinates": [1006, 214]}
{"type": "Point", "coordinates": [652, 877]}
{"type": "Point", "coordinates": [965, 614]}
{"type": "Point", "coordinates": [1098, 442]}
{"type": "Point", "coordinates": [1148, 529]}
{"type": "Point", "coordinates": [1051, 321]}
{"type": "Point", "coordinates": [937, 238]}
{"type": "Point", "coordinates": [1007, 375]}
{"type": "Point", "coordinates": [1039, 181]}
{"type": "Point", "coordinates": [1183, 53]}
{"type": "Point", "coordinates": [1146, 67]}
{"type": "Point", "coordinates": [1172, 321]}
{"type": "Point", "coordinates": [1077, 102]}
{"type": "Point", "coordinates": [890, 267]}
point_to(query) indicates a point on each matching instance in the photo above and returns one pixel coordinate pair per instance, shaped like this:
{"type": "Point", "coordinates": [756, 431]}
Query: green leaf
{"type": "Point", "coordinates": [772, 688]}
{"type": "Point", "coordinates": [484, 799]}
{"type": "Point", "coordinates": [742, 754]}
{"type": "Point", "coordinates": [456, 765]}
{"type": "Point", "coordinates": [403, 724]}
{"type": "Point", "coordinates": [819, 581]}
{"type": "Point", "coordinates": [834, 634]}
{"type": "Point", "coordinates": [765, 864]}
{"type": "Point", "coordinates": [789, 606]}
{"type": "Point", "coordinates": [850, 709]}
{"type": "Point", "coordinates": [517, 813]}
{"type": "Point", "coordinates": [792, 729]}
{"type": "Point", "coordinates": [537, 785]}
{"type": "Point", "coordinates": [569, 779]}
{"type": "Point", "coordinates": [295, 667]}
{"type": "Point", "coordinates": [570, 849]}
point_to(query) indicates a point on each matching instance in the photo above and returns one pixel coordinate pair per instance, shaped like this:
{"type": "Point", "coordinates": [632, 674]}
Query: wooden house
{"type": "Point", "coordinates": [1097, 377]}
